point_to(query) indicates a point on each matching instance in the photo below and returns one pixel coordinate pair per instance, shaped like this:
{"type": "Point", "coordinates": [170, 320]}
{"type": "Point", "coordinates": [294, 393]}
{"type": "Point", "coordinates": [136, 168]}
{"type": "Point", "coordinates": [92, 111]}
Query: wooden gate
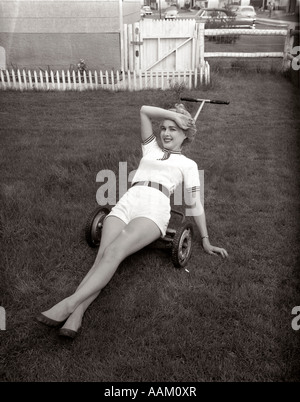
{"type": "Point", "coordinates": [160, 45]}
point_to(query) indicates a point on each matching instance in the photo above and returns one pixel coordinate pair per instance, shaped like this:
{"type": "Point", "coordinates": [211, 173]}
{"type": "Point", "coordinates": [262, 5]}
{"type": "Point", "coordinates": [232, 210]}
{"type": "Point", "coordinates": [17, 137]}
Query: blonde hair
{"type": "Point", "coordinates": [190, 132]}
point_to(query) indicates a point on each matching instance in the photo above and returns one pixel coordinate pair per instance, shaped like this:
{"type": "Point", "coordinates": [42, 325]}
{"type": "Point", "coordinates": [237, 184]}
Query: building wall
{"type": "Point", "coordinates": [58, 33]}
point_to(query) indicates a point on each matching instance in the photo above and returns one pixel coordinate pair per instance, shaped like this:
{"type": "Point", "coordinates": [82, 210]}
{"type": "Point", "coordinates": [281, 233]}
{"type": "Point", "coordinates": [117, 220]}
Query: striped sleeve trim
{"type": "Point", "coordinates": [194, 189]}
{"type": "Point", "coordinates": [148, 140]}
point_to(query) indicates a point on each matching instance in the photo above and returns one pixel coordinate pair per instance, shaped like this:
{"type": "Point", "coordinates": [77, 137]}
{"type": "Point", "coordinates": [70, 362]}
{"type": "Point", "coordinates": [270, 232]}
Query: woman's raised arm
{"type": "Point", "coordinates": [148, 113]}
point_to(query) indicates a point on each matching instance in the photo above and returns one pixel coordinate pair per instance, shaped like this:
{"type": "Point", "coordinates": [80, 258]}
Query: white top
{"type": "Point", "coordinates": [169, 168]}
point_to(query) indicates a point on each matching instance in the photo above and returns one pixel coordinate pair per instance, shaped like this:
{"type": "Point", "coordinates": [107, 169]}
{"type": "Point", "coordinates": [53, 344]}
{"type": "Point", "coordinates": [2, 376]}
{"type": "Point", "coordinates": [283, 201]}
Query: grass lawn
{"type": "Point", "coordinates": [224, 320]}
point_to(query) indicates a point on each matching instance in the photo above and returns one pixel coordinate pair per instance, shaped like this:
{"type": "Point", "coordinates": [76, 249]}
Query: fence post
{"type": "Point", "coordinates": [112, 80]}
{"type": "Point", "coordinates": [134, 80]}
{"type": "Point", "coordinates": [52, 79]}
{"type": "Point", "coordinates": [125, 47]}
{"type": "Point", "coordinates": [201, 43]}
{"type": "Point", "coordinates": [85, 79]}
{"type": "Point", "coordinates": [288, 45]}
{"type": "Point", "coordinates": [41, 80]}
{"type": "Point", "coordinates": [2, 319]}
{"type": "Point", "coordinates": [20, 80]}
{"type": "Point", "coordinates": [47, 80]}
{"type": "Point", "coordinates": [79, 80]}
{"type": "Point", "coordinates": [25, 79]}
{"type": "Point", "coordinates": [101, 79]}
{"type": "Point", "coordinates": [2, 79]}
{"type": "Point", "coordinates": [63, 80]}
{"type": "Point", "coordinates": [130, 48]}
{"type": "Point", "coordinates": [129, 80]}
{"type": "Point", "coordinates": [91, 86]}
{"type": "Point", "coordinates": [35, 85]}
{"type": "Point", "coordinates": [106, 80]}
{"type": "Point", "coordinates": [69, 79]}
{"type": "Point", "coordinates": [194, 47]}
{"type": "Point", "coordinates": [8, 79]}
{"type": "Point", "coordinates": [156, 80]}
{"type": "Point", "coordinates": [58, 80]}
{"type": "Point", "coordinates": [140, 80]}
{"type": "Point", "coordinates": [96, 79]}
{"type": "Point", "coordinates": [74, 80]}
{"type": "Point", "coordinates": [121, 26]}
{"type": "Point", "coordinates": [136, 46]}
{"type": "Point", "coordinates": [195, 77]}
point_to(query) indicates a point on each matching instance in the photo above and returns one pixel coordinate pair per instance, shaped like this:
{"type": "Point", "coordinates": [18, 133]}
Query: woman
{"type": "Point", "coordinates": [142, 215]}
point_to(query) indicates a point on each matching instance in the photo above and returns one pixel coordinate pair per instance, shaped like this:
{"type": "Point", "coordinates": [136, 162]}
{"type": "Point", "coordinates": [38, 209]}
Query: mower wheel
{"type": "Point", "coordinates": [182, 245]}
{"type": "Point", "coordinates": [94, 224]}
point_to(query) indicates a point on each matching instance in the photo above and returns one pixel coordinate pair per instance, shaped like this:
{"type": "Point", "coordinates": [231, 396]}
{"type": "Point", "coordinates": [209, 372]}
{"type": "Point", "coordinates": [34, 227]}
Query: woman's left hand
{"type": "Point", "coordinates": [210, 249]}
{"type": "Point", "coordinates": [184, 122]}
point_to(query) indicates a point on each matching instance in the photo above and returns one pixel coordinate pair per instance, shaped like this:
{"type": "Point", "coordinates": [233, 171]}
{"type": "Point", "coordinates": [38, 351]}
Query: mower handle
{"type": "Point", "coordinates": [205, 101]}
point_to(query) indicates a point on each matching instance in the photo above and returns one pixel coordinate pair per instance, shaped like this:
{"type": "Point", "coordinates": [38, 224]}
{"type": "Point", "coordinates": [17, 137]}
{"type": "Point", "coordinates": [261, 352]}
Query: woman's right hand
{"type": "Point", "coordinates": [212, 250]}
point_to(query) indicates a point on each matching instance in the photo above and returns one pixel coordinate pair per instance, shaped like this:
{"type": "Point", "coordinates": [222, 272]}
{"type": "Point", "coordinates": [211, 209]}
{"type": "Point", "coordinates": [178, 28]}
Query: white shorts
{"type": "Point", "coordinates": [144, 202]}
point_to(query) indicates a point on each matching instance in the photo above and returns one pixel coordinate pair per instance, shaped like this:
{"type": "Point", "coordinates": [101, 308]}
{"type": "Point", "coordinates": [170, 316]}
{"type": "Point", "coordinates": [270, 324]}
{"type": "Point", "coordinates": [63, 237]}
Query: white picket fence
{"type": "Point", "coordinates": [114, 80]}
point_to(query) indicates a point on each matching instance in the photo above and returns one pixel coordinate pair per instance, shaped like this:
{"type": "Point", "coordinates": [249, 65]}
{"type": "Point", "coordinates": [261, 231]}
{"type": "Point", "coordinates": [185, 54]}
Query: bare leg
{"type": "Point", "coordinates": [111, 229]}
{"type": "Point", "coordinates": [136, 235]}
